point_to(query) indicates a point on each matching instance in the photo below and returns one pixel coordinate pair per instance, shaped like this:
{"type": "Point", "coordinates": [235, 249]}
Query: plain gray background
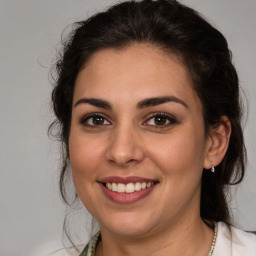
{"type": "Point", "coordinates": [31, 212]}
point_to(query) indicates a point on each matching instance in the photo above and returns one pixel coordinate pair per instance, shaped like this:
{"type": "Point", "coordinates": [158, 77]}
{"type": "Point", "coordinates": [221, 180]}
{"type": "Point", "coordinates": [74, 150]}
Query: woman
{"type": "Point", "coordinates": [147, 100]}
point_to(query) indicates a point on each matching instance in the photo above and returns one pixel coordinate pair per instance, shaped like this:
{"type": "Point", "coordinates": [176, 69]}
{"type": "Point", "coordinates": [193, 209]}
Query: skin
{"type": "Point", "coordinates": [128, 142]}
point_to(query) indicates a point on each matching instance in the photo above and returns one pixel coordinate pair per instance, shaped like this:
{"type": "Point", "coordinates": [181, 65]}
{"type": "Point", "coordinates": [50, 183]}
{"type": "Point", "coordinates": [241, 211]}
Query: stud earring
{"type": "Point", "coordinates": [212, 169]}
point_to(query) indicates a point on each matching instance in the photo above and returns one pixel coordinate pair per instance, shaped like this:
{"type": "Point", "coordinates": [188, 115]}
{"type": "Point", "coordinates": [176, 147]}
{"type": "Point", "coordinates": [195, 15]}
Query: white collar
{"type": "Point", "coordinates": [234, 242]}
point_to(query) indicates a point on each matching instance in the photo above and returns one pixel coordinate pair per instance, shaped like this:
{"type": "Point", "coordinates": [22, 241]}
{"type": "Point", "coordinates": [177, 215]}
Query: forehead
{"type": "Point", "coordinates": [138, 71]}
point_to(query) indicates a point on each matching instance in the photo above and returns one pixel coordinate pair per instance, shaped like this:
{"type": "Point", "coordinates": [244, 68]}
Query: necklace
{"type": "Point", "coordinates": [214, 240]}
{"type": "Point", "coordinates": [97, 238]}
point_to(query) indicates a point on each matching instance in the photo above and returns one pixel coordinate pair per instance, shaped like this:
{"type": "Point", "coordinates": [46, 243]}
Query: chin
{"type": "Point", "coordinates": [128, 226]}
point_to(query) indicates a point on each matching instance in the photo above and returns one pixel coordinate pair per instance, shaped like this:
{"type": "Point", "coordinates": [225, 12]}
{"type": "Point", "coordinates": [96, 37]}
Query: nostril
{"type": "Point", "coordinates": [132, 160]}
{"type": "Point", "coordinates": [124, 149]}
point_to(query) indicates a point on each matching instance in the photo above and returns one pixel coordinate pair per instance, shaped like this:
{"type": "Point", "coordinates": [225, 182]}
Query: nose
{"type": "Point", "coordinates": [125, 147]}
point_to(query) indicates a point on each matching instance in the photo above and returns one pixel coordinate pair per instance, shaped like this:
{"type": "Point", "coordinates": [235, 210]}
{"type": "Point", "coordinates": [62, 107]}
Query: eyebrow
{"type": "Point", "coordinates": [150, 102]}
{"type": "Point", "coordinates": [160, 100]}
{"type": "Point", "coordinates": [95, 102]}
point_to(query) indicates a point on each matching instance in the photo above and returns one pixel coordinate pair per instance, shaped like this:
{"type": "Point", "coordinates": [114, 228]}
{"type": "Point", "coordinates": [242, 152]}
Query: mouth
{"type": "Point", "coordinates": [127, 189]}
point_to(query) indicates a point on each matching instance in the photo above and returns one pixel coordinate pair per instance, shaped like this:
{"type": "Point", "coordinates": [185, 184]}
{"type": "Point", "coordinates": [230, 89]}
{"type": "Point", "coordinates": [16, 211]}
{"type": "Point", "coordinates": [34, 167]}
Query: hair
{"type": "Point", "coordinates": [175, 29]}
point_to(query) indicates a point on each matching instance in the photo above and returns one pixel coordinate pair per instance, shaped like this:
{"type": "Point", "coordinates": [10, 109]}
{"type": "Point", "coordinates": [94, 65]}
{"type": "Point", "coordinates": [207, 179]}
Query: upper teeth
{"type": "Point", "coordinates": [128, 188]}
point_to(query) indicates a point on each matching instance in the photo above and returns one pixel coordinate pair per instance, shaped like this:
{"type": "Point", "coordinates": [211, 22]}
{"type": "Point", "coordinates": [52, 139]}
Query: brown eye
{"type": "Point", "coordinates": [98, 120]}
{"type": "Point", "coordinates": [160, 120]}
{"type": "Point", "coordinates": [95, 120]}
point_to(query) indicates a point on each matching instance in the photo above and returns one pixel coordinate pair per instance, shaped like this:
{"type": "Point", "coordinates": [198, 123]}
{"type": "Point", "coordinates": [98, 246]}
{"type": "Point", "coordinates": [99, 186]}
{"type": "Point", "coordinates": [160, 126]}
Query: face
{"type": "Point", "coordinates": [137, 141]}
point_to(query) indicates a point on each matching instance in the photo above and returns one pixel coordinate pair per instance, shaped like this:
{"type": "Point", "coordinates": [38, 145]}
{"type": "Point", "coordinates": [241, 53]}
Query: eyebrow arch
{"type": "Point", "coordinates": [160, 100]}
{"type": "Point", "coordinates": [150, 102]}
{"type": "Point", "coordinates": [95, 102]}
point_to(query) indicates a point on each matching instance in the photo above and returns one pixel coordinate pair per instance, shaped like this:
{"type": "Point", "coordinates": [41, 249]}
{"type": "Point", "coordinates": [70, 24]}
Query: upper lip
{"type": "Point", "coordinates": [125, 180]}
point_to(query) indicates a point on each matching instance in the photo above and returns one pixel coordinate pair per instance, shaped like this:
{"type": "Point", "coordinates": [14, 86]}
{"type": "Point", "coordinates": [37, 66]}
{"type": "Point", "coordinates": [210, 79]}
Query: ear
{"type": "Point", "coordinates": [217, 143]}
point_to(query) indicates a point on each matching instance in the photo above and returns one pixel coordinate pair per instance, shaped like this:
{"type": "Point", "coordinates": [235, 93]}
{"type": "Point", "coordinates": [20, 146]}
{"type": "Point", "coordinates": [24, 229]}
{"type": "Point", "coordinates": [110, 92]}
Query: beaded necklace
{"type": "Point", "coordinates": [214, 240]}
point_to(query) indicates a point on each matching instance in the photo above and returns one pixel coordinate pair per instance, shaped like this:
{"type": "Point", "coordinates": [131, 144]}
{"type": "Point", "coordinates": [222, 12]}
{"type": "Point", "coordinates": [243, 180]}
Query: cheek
{"type": "Point", "coordinates": [85, 157]}
{"type": "Point", "coordinates": [178, 151]}
{"type": "Point", "coordinates": [180, 160]}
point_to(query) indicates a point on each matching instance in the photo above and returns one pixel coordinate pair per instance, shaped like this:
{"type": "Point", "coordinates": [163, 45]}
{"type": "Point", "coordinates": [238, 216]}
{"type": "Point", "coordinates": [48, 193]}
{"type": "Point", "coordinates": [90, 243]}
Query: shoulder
{"type": "Point", "coordinates": [243, 241]}
{"type": "Point", "coordinates": [233, 241]}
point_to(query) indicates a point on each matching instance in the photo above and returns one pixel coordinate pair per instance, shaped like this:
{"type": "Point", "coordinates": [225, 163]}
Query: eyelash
{"type": "Point", "coordinates": [168, 118]}
{"type": "Point", "coordinates": [85, 119]}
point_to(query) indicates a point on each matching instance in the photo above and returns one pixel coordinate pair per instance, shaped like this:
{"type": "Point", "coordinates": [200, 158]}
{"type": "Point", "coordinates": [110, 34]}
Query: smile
{"type": "Point", "coordinates": [128, 188]}
{"type": "Point", "coordinates": [125, 190]}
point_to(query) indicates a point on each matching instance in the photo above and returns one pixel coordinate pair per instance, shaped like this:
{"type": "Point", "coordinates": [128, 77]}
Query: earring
{"type": "Point", "coordinates": [212, 169]}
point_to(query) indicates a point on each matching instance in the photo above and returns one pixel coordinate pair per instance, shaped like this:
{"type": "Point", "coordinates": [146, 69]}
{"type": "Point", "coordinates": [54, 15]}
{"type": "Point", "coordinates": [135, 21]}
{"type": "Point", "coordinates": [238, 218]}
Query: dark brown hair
{"type": "Point", "coordinates": [176, 29]}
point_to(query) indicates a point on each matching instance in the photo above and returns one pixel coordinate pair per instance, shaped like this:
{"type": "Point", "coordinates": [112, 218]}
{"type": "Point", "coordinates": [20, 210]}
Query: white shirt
{"type": "Point", "coordinates": [234, 242]}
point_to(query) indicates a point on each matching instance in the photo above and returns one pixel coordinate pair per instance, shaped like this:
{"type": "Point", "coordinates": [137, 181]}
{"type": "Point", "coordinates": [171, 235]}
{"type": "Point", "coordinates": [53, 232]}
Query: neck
{"type": "Point", "coordinates": [192, 237]}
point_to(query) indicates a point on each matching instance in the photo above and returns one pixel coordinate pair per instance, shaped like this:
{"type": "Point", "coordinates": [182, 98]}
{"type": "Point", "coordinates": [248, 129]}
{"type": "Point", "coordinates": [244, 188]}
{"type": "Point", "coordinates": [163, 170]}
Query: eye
{"type": "Point", "coordinates": [160, 119]}
{"type": "Point", "coordinates": [95, 120]}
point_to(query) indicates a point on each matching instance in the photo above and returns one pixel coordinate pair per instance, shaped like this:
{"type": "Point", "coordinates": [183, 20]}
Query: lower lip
{"type": "Point", "coordinates": [126, 198]}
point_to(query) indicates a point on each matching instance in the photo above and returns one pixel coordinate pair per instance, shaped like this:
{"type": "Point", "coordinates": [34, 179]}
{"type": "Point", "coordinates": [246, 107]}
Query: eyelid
{"type": "Point", "coordinates": [169, 117]}
{"type": "Point", "coordinates": [91, 115]}
{"type": "Point", "coordinates": [172, 120]}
